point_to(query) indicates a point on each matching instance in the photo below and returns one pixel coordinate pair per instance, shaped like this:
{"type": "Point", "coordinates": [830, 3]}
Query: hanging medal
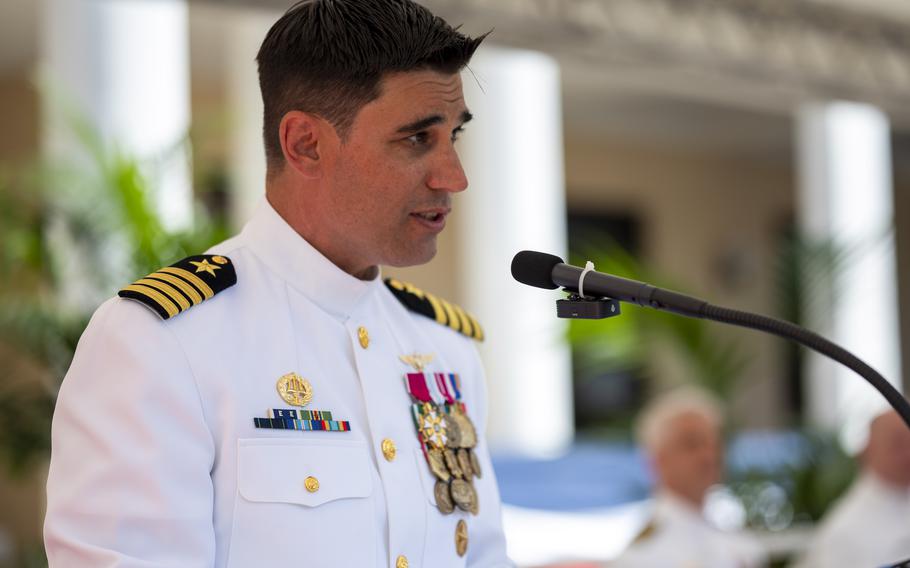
{"type": "Point", "coordinates": [446, 434]}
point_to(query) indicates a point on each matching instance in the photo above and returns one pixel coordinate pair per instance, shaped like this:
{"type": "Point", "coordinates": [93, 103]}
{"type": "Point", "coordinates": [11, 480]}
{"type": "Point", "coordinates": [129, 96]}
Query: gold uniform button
{"type": "Point", "coordinates": [311, 484]}
{"type": "Point", "coordinates": [388, 449]}
{"type": "Point", "coordinates": [363, 336]}
{"type": "Point", "coordinates": [461, 538]}
{"type": "Point", "coordinates": [401, 562]}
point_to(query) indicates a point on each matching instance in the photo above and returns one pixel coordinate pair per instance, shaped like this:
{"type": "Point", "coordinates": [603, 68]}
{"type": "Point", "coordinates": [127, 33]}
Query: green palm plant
{"type": "Point", "coordinates": [625, 342]}
{"type": "Point", "coordinates": [808, 278]}
{"type": "Point", "coordinates": [70, 236]}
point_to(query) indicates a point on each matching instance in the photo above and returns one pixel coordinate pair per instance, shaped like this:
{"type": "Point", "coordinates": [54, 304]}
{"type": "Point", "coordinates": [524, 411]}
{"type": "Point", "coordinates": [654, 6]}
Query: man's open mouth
{"type": "Point", "coordinates": [431, 216]}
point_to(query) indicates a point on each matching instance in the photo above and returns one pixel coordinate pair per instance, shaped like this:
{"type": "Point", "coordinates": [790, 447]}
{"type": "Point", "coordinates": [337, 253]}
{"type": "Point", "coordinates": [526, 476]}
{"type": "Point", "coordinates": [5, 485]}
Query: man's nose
{"type": "Point", "coordinates": [446, 173]}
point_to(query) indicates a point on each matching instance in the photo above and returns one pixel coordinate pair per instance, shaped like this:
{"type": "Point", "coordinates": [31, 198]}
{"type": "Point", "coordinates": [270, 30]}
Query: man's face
{"type": "Point", "coordinates": [393, 177]}
{"type": "Point", "coordinates": [689, 460]}
{"type": "Point", "coordinates": [888, 452]}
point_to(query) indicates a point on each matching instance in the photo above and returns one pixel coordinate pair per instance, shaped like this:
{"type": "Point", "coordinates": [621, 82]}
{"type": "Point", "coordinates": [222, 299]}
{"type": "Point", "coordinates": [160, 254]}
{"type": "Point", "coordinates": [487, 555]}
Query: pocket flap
{"type": "Point", "coordinates": [276, 470]}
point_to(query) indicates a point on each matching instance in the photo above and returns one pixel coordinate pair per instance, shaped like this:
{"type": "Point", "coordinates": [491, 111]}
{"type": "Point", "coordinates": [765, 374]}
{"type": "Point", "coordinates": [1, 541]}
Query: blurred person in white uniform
{"type": "Point", "coordinates": [303, 411]}
{"type": "Point", "coordinates": [870, 524]}
{"type": "Point", "coordinates": [681, 434]}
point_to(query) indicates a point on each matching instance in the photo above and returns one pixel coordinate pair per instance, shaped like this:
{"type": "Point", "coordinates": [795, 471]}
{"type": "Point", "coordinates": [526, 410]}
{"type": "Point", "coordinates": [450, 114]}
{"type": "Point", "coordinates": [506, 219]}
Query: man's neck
{"type": "Point", "coordinates": [294, 216]}
{"type": "Point", "coordinates": [369, 273]}
{"type": "Point", "coordinates": [689, 503]}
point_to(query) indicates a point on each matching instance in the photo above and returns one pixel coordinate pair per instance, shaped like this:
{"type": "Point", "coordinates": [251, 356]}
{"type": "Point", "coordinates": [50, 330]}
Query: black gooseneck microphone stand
{"type": "Point", "coordinates": [548, 271]}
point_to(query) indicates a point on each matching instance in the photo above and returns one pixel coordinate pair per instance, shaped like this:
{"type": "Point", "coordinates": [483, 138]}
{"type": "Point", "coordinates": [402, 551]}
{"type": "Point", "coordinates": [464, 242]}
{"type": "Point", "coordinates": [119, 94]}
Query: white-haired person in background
{"type": "Point", "coordinates": [870, 525]}
{"type": "Point", "coordinates": [681, 434]}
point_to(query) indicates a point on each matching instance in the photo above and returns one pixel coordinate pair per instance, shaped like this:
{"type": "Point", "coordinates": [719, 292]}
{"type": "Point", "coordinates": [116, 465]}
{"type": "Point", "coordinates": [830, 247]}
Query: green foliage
{"type": "Point", "coordinates": [808, 271]}
{"type": "Point", "coordinates": [825, 475]}
{"type": "Point", "coordinates": [625, 342]}
{"type": "Point", "coordinates": [28, 556]}
{"type": "Point", "coordinates": [70, 235]}
{"type": "Point", "coordinates": [797, 492]}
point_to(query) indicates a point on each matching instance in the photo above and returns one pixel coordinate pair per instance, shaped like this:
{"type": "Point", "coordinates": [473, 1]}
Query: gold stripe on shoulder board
{"type": "Point", "coordinates": [466, 325]}
{"type": "Point", "coordinates": [478, 331]}
{"type": "Point", "coordinates": [191, 278]}
{"type": "Point", "coordinates": [182, 285]}
{"type": "Point", "coordinates": [437, 309]}
{"type": "Point", "coordinates": [454, 322]}
{"type": "Point", "coordinates": [168, 290]}
{"type": "Point", "coordinates": [155, 296]}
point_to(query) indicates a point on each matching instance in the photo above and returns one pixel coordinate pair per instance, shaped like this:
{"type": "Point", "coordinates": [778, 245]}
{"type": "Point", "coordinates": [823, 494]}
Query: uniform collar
{"type": "Point", "coordinates": [670, 507]}
{"type": "Point", "coordinates": [302, 266]}
{"type": "Point", "coordinates": [874, 487]}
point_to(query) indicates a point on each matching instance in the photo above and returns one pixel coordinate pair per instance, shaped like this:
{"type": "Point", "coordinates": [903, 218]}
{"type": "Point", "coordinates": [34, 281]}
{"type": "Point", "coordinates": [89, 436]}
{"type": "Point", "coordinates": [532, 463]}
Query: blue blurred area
{"type": "Point", "coordinates": [590, 475]}
{"type": "Point", "coordinates": [767, 451]}
{"type": "Point", "coordinates": [600, 474]}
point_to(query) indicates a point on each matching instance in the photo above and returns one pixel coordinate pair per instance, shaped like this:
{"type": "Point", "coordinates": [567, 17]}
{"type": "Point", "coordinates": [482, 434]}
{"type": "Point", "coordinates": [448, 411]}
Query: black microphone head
{"type": "Point", "coordinates": [535, 268]}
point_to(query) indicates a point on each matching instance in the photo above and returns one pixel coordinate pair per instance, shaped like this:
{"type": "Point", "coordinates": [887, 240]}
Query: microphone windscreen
{"type": "Point", "coordinates": [535, 268]}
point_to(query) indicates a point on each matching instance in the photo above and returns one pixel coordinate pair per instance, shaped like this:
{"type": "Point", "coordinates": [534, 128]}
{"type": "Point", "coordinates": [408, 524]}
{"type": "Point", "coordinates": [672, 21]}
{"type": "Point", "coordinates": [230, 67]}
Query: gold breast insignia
{"type": "Point", "coordinates": [418, 361]}
{"type": "Point", "coordinates": [295, 390]}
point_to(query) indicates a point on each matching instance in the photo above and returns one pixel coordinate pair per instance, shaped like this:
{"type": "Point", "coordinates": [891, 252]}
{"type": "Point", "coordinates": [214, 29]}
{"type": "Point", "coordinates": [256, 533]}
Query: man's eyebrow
{"type": "Point", "coordinates": [424, 123]}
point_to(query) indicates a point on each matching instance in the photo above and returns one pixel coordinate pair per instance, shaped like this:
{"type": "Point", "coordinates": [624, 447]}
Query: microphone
{"type": "Point", "coordinates": [548, 271]}
{"type": "Point", "coordinates": [544, 270]}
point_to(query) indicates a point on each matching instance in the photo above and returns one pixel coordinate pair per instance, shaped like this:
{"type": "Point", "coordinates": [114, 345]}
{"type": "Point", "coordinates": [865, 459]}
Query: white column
{"type": "Point", "coordinates": [846, 198]}
{"type": "Point", "coordinates": [124, 66]}
{"type": "Point", "coordinates": [247, 29]}
{"type": "Point", "coordinates": [512, 154]}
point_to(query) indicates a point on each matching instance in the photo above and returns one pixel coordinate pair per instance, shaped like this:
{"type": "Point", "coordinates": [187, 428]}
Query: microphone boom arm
{"type": "Point", "coordinates": [528, 265]}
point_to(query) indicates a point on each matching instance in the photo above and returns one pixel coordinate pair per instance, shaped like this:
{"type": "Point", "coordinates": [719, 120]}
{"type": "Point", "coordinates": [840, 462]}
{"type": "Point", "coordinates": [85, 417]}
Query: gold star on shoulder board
{"type": "Point", "coordinates": [204, 266]}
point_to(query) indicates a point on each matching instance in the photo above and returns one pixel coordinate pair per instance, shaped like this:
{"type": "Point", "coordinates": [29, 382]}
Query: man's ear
{"type": "Point", "coordinates": [303, 142]}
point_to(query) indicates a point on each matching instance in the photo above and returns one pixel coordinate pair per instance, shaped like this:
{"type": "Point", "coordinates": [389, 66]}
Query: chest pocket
{"type": "Point", "coordinates": [303, 497]}
{"type": "Point", "coordinates": [439, 547]}
{"type": "Point", "coordinates": [304, 472]}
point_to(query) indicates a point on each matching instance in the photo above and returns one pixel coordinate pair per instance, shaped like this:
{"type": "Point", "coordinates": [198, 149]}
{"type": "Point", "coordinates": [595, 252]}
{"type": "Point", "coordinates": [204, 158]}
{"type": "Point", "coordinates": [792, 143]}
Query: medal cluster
{"type": "Point", "coordinates": [447, 437]}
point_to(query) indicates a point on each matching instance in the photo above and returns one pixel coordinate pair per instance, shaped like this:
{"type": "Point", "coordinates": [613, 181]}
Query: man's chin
{"type": "Point", "coordinates": [412, 258]}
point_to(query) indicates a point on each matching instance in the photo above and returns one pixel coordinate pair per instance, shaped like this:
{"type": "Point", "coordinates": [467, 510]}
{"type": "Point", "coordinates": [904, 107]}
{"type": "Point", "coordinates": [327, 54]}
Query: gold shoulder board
{"type": "Point", "coordinates": [435, 308]}
{"type": "Point", "coordinates": [182, 285]}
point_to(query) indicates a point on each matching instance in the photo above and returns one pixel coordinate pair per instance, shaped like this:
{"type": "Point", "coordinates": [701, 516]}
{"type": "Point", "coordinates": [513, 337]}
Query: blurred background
{"type": "Point", "coordinates": [755, 153]}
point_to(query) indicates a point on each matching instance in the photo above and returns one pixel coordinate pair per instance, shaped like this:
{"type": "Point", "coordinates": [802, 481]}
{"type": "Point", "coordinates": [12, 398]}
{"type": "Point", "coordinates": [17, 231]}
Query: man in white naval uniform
{"type": "Point", "coordinates": [680, 432]}
{"type": "Point", "coordinates": [870, 525]}
{"type": "Point", "coordinates": [271, 424]}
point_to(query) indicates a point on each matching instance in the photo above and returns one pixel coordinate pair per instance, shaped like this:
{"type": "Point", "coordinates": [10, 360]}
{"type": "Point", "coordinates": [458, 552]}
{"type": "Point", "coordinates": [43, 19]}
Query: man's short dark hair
{"type": "Point", "coordinates": [327, 57]}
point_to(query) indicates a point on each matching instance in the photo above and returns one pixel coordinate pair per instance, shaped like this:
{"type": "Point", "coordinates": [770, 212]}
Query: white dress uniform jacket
{"type": "Point", "coordinates": [156, 461]}
{"type": "Point", "coordinates": [678, 536]}
{"type": "Point", "coordinates": [868, 527]}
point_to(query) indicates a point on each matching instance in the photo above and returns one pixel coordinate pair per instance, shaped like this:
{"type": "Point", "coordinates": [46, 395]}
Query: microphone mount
{"type": "Point", "coordinates": [579, 306]}
{"type": "Point", "coordinates": [576, 306]}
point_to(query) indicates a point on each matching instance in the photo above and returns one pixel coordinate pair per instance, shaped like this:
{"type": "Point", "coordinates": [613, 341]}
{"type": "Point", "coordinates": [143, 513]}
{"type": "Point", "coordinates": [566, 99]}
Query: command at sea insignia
{"type": "Point", "coordinates": [297, 391]}
{"type": "Point", "coordinates": [182, 285]}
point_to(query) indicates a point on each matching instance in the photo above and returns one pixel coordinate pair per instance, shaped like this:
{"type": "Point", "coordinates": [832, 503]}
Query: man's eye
{"type": "Point", "coordinates": [456, 133]}
{"type": "Point", "coordinates": [419, 139]}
